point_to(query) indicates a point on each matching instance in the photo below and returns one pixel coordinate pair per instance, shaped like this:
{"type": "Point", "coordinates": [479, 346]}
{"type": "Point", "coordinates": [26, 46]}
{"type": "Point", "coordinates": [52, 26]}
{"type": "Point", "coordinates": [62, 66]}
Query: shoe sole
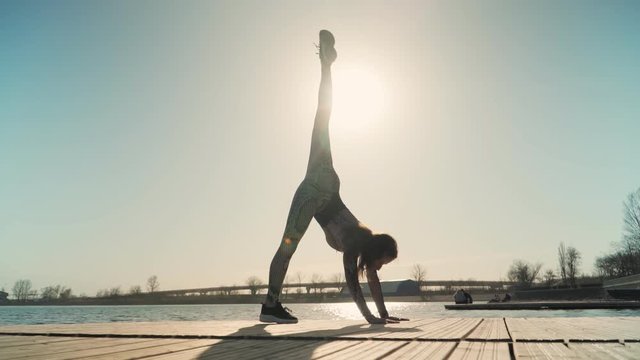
{"type": "Point", "coordinates": [273, 319]}
{"type": "Point", "coordinates": [327, 36]}
{"type": "Point", "coordinates": [327, 52]}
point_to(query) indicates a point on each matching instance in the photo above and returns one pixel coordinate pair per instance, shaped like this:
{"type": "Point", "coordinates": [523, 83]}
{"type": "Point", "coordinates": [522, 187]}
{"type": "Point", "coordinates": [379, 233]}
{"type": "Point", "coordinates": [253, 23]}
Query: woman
{"type": "Point", "coordinates": [317, 196]}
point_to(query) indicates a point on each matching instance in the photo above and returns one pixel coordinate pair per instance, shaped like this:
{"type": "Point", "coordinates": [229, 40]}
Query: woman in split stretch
{"type": "Point", "coordinates": [318, 196]}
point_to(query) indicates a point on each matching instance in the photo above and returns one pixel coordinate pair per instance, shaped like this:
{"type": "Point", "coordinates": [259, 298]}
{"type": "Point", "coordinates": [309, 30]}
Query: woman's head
{"type": "Point", "coordinates": [377, 250]}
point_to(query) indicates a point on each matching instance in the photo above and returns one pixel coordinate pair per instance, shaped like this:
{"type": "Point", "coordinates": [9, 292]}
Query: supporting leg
{"type": "Point", "coordinates": [303, 207]}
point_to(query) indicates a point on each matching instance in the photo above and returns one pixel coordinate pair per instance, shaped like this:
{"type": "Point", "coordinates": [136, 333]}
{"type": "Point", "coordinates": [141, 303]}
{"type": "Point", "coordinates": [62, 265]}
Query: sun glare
{"type": "Point", "coordinates": [358, 100]}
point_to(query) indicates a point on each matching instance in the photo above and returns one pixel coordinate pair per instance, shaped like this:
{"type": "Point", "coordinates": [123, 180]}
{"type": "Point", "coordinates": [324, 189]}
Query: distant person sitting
{"type": "Point", "coordinates": [462, 297]}
{"type": "Point", "coordinates": [468, 296]}
{"type": "Point", "coordinates": [507, 297]}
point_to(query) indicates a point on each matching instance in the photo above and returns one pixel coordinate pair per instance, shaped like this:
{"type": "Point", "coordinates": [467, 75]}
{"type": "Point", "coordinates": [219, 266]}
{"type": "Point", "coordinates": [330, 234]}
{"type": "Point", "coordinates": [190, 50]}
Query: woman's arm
{"type": "Point", "coordinates": [376, 292]}
{"type": "Point", "coordinates": [351, 275]}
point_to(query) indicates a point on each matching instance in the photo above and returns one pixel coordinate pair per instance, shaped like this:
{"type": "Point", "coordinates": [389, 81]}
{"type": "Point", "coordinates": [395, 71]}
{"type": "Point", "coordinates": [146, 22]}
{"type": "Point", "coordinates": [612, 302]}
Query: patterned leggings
{"type": "Point", "coordinates": [315, 191]}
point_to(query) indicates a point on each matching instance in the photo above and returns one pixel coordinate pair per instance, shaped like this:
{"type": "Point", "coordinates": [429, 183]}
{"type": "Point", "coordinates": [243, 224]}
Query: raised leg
{"type": "Point", "coordinates": [320, 145]}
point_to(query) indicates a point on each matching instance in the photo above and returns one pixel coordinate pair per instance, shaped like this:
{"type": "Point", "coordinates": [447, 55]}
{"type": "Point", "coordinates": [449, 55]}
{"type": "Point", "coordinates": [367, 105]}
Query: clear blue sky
{"type": "Point", "coordinates": [167, 138]}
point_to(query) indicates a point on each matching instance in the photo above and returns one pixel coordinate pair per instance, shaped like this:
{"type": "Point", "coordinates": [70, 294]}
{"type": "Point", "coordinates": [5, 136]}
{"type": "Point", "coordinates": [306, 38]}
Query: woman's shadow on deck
{"type": "Point", "coordinates": [254, 342]}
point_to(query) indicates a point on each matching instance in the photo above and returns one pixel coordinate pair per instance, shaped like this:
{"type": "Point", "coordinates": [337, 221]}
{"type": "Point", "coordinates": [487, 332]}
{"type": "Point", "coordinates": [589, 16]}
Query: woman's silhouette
{"type": "Point", "coordinates": [318, 196]}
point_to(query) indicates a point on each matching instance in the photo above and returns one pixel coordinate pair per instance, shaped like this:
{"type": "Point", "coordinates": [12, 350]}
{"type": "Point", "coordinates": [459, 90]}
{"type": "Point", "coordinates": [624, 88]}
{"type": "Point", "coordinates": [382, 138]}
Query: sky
{"type": "Point", "coordinates": [167, 138]}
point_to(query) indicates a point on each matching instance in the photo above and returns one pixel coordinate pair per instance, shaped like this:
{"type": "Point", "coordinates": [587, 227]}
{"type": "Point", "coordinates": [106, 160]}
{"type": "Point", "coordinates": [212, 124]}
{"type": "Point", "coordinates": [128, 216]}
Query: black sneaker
{"type": "Point", "coordinates": [327, 51]}
{"type": "Point", "coordinates": [277, 314]}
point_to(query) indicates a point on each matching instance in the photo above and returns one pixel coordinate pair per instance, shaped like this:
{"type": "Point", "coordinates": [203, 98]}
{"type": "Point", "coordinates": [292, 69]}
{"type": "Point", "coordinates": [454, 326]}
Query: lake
{"type": "Point", "coordinates": [322, 311]}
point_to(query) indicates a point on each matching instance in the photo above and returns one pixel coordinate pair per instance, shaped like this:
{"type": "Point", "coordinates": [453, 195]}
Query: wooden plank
{"type": "Point", "coordinates": [260, 349]}
{"type": "Point", "coordinates": [384, 350]}
{"type": "Point", "coordinates": [317, 328]}
{"type": "Point", "coordinates": [162, 347]}
{"type": "Point", "coordinates": [11, 341]}
{"type": "Point", "coordinates": [219, 349]}
{"type": "Point", "coordinates": [448, 328]}
{"type": "Point", "coordinates": [416, 350]}
{"type": "Point", "coordinates": [343, 352]}
{"type": "Point", "coordinates": [137, 328]}
{"type": "Point", "coordinates": [235, 349]}
{"type": "Point", "coordinates": [481, 350]}
{"type": "Point", "coordinates": [264, 349]}
{"type": "Point", "coordinates": [577, 350]}
{"type": "Point", "coordinates": [606, 350]}
{"type": "Point", "coordinates": [326, 329]}
{"type": "Point", "coordinates": [194, 353]}
{"type": "Point", "coordinates": [311, 328]}
{"type": "Point", "coordinates": [490, 329]}
{"type": "Point", "coordinates": [404, 330]}
{"type": "Point", "coordinates": [540, 350]}
{"type": "Point", "coordinates": [228, 349]}
{"type": "Point", "coordinates": [299, 350]}
{"type": "Point", "coordinates": [328, 348]}
{"type": "Point", "coordinates": [49, 350]}
{"type": "Point", "coordinates": [627, 328]}
{"type": "Point", "coordinates": [408, 330]}
{"type": "Point", "coordinates": [366, 349]}
{"type": "Point", "coordinates": [561, 305]}
{"type": "Point", "coordinates": [560, 329]}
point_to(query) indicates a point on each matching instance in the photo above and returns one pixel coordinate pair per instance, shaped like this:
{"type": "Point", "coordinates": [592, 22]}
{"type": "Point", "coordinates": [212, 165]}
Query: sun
{"type": "Point", "coordinates": [359, 101]}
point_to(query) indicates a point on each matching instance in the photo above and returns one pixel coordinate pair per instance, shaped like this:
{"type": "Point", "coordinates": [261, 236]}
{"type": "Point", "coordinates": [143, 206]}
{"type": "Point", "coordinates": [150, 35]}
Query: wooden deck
{"type": "Point", "coordinates": [432, 338]}
{"type": "Point", "coordinates": [545, 305]}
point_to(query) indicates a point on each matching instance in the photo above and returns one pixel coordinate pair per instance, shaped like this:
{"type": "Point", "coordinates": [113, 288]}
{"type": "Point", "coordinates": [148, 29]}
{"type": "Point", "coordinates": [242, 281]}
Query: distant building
{"type": "Point", "coordinates": [393, 288]}
{"type": "Point", "coordinates": [3, 296]}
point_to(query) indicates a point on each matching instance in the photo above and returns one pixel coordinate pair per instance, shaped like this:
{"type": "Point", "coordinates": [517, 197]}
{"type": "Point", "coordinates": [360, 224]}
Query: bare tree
{"type": "Point", "coordinates": [573, 261]}
{"type": "Point", "coordinates": [524, 273]}
{"type": "Point", "coordinates": [114, 291]}
{"type": "Point", "coordinates": [55, 292]}
{"type": "Point", "coordinates": [152, 284]}
{"type": "Point", "coordinates": [33, 294]}
{"type": "Point", "coordinates": [65, 293]}
{"type": "Point", "coordinates": [630, 245]}
{"type": "Point", "coordinates": [418, 274]}
{"type": "Point", "coordinates": [562, 262]}
{"type": "Point", "coordinates": [232, 291]}
{"type": "Point", "coordinates": [549, 277]}
{"type": "Point", "coordinates": [135, 289]}
{"type": "Point", "coordinates": [299, 277]}
{"type": "Point", "coordinates": [625, 260]}
{"type": "Point", "coordinates": [316, 279]}
{"type": "Point", "coordinates": [254, 283]}
{"type": "Point", "coordinates": [50, 292]}
{"type": "Point", "coordinates": [22, 290]}
{"type": "Point", "coordinates": [631, 233]}
{"type": "Point", "coordinates": [338, 278]}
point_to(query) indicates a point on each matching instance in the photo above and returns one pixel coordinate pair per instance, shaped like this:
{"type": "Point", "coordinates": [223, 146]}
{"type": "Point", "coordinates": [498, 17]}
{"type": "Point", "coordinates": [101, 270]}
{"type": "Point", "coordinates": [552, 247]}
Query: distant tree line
{"type": "Point", "coordinates": [526, 274]}
{"type": "Point", "coordinates": [623, 261]}
{"type": "Point", "coordinates": [152, 286]}
{"type": "Point", "coordinates": [23, 292]}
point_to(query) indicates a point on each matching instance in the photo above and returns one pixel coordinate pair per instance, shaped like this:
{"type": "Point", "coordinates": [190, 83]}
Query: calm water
{"type": "Point", "coordinates": [337, 311]}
